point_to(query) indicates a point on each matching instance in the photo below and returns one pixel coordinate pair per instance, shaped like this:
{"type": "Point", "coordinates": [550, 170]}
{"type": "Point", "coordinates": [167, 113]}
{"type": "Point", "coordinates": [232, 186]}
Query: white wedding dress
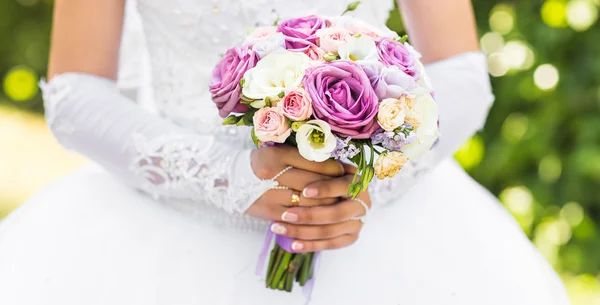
{"type": "Point", "coordinates": [160, 221]}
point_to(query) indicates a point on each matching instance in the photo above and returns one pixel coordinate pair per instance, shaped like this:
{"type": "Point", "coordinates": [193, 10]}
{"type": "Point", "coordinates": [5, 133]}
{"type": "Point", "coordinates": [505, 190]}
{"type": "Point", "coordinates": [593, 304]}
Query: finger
{"type": "Point", "coordinates": [316, 232]}
{"type": "Point", "coordinates": [326, 244]}
{"type": "Point", "coordinates": [321, 215]}
{"type": "Point", "coordinates": [285, 198]}
{"type": "Point", "coordinates": [350, 169]}
{"type": "Point", "coordinates": [291, 156]}
{"type": "Point", "coordinates": [333, 187]}
{"type": "Point", "coordinates": [265, 211]}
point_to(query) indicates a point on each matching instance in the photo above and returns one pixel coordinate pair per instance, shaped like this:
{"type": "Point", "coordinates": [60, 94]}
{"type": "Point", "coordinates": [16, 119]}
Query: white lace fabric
{"type": "Point", "coordinates": [88, 114]}
{"type": "Point", "coordinates": [183, 155]}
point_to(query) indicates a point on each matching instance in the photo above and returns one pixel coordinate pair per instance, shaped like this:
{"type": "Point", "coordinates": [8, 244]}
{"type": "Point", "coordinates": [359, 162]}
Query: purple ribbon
{"type": "Point", "coordinates": [286, 244]}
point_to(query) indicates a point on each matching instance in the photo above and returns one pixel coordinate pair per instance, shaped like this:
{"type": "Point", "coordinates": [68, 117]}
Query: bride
{"type": "Point", "coordinates": [177, 211]}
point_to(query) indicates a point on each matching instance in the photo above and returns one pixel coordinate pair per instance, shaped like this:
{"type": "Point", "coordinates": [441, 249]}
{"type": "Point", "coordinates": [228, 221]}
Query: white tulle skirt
{"type": "Point", "coordinates": [87, 239]}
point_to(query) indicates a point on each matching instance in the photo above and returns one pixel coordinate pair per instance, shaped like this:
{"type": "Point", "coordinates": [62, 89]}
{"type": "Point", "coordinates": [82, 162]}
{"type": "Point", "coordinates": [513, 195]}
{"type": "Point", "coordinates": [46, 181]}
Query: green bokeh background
{"type": "Point", "coordinates": [539, 151]}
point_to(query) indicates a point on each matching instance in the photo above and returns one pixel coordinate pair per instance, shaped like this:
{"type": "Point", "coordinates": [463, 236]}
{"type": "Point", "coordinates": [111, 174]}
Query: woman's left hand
{"type": "Point", "coordinates": [325, 227]}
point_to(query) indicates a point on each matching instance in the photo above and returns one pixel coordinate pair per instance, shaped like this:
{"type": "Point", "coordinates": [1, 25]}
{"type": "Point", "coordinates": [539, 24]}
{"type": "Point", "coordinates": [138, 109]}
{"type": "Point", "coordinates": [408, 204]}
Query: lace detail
{"type": "Point", "coordinates": [179, 167]}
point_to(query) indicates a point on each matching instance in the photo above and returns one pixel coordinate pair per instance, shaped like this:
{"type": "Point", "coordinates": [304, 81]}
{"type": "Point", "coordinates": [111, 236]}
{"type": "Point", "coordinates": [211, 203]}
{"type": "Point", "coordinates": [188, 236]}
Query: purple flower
{"type": "Point", "coordinates": [393, 53]}
{"type": "Point", "coordinates": [395, 140]}
{"type": "Point", "coordinates": [388, 82]}
{"type": "Point", "coordinates": [344, 149]}
{"type": "Point", "coordinates": [343, 97]}
{"type": "Point", "coordinates": [300, 33]}
{"type": "Point", "coordinates": [225, 84]}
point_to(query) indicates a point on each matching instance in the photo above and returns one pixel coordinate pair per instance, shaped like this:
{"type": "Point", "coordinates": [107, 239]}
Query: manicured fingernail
{"type": "Point", "coordinates": [297, 246]}
{"type": "Point", "coordinates": [310, 192]}
{"type": "Point", "coordinates": [278, 229]}
{"type": "Point", "coordinates": [287, 216]}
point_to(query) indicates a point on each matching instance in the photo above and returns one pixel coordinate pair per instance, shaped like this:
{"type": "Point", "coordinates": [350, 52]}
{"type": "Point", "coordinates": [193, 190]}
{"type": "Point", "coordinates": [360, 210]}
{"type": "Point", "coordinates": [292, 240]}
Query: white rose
{"type": "Point", "coordinates": [315, 140]}
{"type": "Point", "coordinates": [280, 71]}
{"type": "Point", "coordinates": [392, 113]}
{"type": "Point", "coordinates": [359, 49]}
{"type": "Point", "coordinates": [266, 46]}
{"type": "Point", "coordinates": [425, 111]}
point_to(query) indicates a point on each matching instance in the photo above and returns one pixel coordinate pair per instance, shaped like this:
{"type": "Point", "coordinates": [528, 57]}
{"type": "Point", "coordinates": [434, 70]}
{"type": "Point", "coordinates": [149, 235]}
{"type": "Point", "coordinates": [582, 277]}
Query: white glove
{"type": "Point", "coordinates": [88, 114]}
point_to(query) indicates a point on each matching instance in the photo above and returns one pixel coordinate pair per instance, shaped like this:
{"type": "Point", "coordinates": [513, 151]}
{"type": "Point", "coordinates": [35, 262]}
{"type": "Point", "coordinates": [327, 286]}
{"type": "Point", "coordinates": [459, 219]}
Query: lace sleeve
{"type": "Point", "coordinates": [88, 114]}
{"type": "Point", "coordinates": [464, 95]}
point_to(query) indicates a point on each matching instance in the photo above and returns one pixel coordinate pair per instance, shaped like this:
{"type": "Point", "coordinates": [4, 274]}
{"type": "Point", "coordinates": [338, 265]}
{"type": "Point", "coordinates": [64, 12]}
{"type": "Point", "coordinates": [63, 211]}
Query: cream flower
{"type": "Point", "coordinates": [392, 112]}
{"type": "Point", "coordinates": [280, 71]}
{"type": "Point", "coordinates": [389, 164]}
{"type": "Point", "coordinates": [315, 140]}
{"type": "Point", "coordinates": [359, 48]}
{"type": "Point", "coordinates": [425, 111]}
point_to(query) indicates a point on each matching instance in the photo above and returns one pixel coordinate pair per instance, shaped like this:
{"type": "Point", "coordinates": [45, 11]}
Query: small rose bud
{"type": "Point", "coordinates": [296, 125]}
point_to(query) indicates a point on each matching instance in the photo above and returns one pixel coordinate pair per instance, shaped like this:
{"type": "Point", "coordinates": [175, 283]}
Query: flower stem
{"type": "Point", "coordinates": [280, 268]}
{"type": "Point", "coordinates": [272, 260]}
{"type": "Point", "coordinates": [271, 279]}
{"type": "Point", "coordinates": [306, 270]}
{"type": "Point", "coordinates": [310, 266]}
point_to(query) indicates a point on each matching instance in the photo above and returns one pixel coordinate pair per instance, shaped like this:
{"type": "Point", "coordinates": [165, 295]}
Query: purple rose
{"type": "Point", "coordinates": [300, 33]}
{"type": "Point", "coordinates": [388, 82]}
{"type": "Point", "coordinates": [343, 97]}
{"type": "Point", "coordinates": [393, 53]}
{"type": "Point", "coordinates": [225, 84]}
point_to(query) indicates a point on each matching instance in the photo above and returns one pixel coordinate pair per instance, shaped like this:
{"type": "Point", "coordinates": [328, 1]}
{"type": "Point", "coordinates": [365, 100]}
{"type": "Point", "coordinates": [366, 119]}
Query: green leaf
{"type": "Point", "coordinates": [247, 119]}
{"type": "Point", "coordinates": [281, 94]}
{"type": "Point", "coordinates": [231, 120]}
{"type": "Point", "coordinates": [268, 102]}
{"type": "Point", "coordinates": [254, 138]}
{"type": "Point", "coordinates": [242, 82]}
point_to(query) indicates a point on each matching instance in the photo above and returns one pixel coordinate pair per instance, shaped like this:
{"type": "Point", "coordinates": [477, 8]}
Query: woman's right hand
{"type": "Point", "coordinates": [267, 162]}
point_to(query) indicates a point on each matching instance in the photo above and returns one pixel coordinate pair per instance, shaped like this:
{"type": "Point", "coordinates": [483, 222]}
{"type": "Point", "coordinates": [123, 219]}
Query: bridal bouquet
{"type": "Point", "coordinates": [335, 88]}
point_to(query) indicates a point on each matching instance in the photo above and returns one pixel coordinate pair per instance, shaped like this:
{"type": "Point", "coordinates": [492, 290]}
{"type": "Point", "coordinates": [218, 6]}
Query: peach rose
{"type": "Point", "coordinates": [271, 126]}
{"type": "Point", "coordinates": [389, 164]}
{"type": "Point", "coordinates": [296, 105]}
{"type": "Point", "coordinates": [393, 112]}
{"type": "Point", "coordinates": [330, 39]}
{"type": "Point", "coordinates": [261, 34]}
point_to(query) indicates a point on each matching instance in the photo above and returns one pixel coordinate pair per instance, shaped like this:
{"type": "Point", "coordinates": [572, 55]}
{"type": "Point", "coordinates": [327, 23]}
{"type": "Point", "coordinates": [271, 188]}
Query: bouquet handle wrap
{"type": "Point", "coordinates": [284, 243]}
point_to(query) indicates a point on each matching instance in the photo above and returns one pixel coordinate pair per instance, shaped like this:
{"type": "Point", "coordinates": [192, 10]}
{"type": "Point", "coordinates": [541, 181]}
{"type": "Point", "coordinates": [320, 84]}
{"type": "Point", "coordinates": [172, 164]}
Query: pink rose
{"type": "Point", "coordinates": [330, 39]}
{"type": "Point", "coordinates": [296, 105]}
{"type": "Point", "coordinates": [261, 34]}
{"type": "Point", "coordinates": [357, 28]}
{"type": "Point", "coordinates": [314, 53]}
{"type": "Point", "coordinates": [271, 126]}
{"type": "Point", "coordinates": [225, 86]}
